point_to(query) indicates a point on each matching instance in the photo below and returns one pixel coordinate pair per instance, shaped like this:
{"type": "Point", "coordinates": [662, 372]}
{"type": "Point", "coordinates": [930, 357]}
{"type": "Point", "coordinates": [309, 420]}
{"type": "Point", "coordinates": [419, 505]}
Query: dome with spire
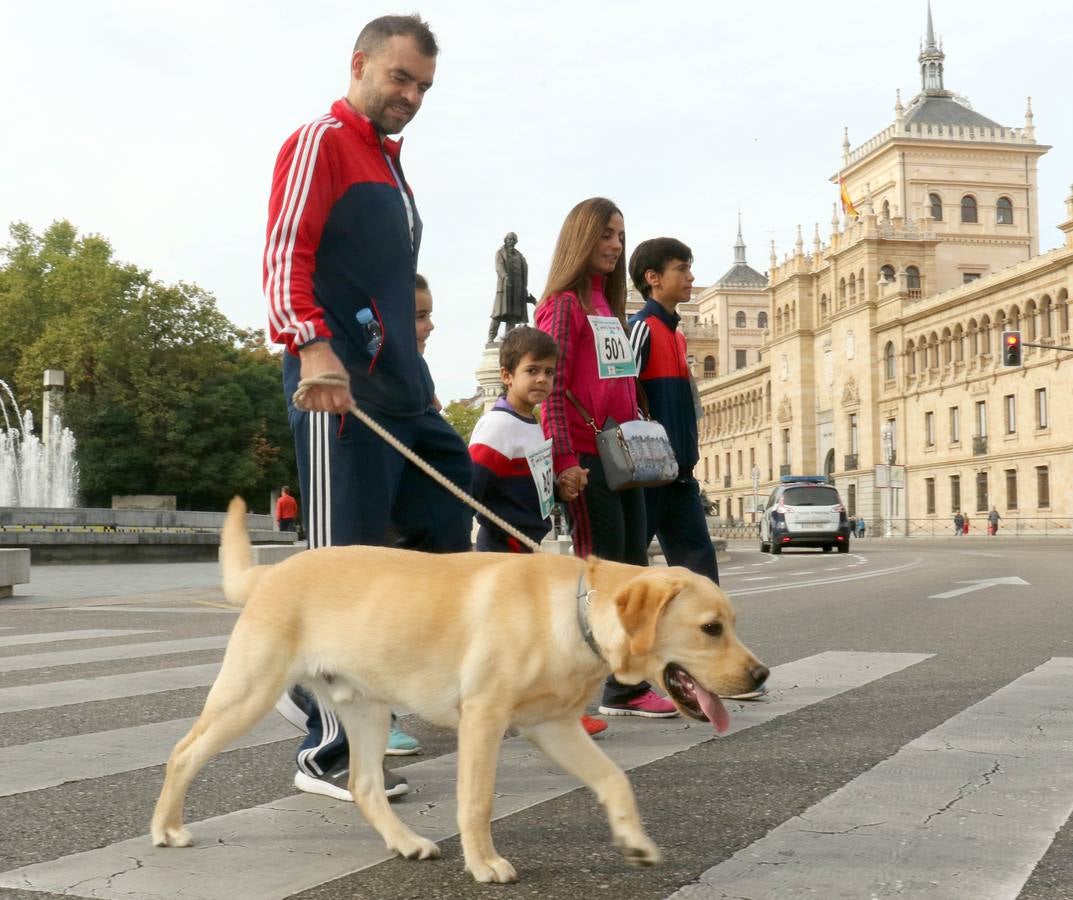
{"type": "Point", "coordinates": [741, 274]}
{"type": "Point", "coordinates": [935, 105]}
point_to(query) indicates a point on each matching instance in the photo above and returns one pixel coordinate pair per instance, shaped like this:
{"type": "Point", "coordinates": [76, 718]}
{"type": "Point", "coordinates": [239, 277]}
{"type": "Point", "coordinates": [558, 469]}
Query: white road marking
{"type": "Point", "coordinates": [980, 584]}
{"type": "Point", "coordinates": [874, 573]}
{"type": "Point", "coordinates": [963, 812]}
{"type": "Point", "coordinates": [55, 637]}
{"type": "Point", "coordinates": [761, 578]}
{"type": "Point", "coordinates": [31, 767]}
{"type": "Point", "coordinates": [117, 651]}
{"type": "Point", "coordinates": [105, 687]}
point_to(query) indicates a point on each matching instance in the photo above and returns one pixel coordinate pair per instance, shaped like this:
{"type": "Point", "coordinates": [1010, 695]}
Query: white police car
{"type": "Point", "coordinates": [804, 511]}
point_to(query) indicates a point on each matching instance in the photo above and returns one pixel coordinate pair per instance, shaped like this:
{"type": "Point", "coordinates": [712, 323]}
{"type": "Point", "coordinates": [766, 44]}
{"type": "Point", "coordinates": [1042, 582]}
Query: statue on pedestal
{"type": "Point", "coordinates": [512, 291]}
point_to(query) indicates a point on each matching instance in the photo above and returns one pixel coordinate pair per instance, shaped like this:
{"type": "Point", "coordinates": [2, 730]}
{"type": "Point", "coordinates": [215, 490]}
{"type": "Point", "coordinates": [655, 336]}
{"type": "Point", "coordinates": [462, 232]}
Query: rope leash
{"type": "Point", "coordinates": [336, 380]}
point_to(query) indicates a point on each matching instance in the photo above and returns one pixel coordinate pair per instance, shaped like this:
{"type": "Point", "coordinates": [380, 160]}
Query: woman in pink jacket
{"type": "Point", "coordinates": [584, 310]}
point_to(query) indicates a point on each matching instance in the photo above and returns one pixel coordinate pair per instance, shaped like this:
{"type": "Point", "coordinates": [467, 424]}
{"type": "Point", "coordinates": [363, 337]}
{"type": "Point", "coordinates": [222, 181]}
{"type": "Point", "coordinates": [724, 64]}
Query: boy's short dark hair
{"type": "Point", "coordinates": [374, 34]}
{"type": "Point", "coordinates": [421, 282]}
{"type": "Point", "coordinates": [655, 254]}
{"type": "Point", "coordinates": [522, 340]}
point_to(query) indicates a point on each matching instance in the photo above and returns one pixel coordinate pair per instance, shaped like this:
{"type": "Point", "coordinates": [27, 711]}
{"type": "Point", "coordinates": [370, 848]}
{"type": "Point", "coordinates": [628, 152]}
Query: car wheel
{"type": "Point", "coordinates": [826, 548]}
{"type": "Point", "coordinates": [776, 548]}
{"type": "Point", "coordinates": [844, 547]}
{"type": "Point", "coordinates": [764, 547]}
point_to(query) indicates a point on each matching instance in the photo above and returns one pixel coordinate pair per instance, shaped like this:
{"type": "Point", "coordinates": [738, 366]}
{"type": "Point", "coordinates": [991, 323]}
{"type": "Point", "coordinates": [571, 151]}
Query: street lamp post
{"type": "Point", "coordinates": [887, 434]}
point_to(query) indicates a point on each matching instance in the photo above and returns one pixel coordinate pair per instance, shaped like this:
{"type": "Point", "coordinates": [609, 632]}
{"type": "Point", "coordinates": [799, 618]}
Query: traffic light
{"type": "Point", "coordinates": [1011, 348]}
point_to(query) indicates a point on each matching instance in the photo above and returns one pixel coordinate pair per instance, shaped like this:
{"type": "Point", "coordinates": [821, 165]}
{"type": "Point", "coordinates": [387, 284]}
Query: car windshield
{"type": "Point", "coordinates": [810, 496]}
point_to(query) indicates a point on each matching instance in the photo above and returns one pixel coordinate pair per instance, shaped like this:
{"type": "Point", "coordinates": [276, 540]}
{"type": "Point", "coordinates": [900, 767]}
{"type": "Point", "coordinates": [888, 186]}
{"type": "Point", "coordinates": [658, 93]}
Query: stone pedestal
{"type": "Point", "coordinates": [488, 375]}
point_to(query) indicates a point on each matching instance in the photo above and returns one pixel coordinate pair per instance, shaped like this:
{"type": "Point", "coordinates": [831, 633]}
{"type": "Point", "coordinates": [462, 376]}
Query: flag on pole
{"type": "Point", "coordinates": [847, 205]}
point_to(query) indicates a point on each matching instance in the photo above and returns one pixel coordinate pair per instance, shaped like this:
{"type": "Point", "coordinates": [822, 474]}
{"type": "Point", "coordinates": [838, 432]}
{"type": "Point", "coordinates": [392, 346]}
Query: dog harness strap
{"type": "Point", "coordinates": [583, 595]}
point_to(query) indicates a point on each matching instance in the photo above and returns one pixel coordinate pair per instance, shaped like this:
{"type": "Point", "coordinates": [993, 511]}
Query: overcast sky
{"type": "Point", "coordinates": [156, 124]}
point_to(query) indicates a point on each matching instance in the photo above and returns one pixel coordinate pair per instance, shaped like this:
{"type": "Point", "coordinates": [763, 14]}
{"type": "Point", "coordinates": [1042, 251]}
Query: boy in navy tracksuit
{"type": "Point", "coordinates": [661, 269]}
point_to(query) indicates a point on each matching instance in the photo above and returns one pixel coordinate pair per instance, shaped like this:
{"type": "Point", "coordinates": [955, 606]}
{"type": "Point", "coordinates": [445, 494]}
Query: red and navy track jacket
{"type": "Point", "coordinates": [502, 479]}
{"type": "Point", "coordinates": [339, 240]}
{"type": "Point", "coordinates": [660, 351]}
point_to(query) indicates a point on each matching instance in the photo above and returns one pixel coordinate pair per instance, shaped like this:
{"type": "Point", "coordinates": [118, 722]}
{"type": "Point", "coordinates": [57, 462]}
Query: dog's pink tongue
{"type": "Point", "coordinates": [713, 708]}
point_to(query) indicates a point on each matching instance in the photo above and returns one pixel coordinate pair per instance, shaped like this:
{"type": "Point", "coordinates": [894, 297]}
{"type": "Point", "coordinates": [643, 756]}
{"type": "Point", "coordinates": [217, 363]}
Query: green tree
{"type": "Point", "coordinates": [462, 418]}
{"type": "Point", "coordinates": [165, 395]}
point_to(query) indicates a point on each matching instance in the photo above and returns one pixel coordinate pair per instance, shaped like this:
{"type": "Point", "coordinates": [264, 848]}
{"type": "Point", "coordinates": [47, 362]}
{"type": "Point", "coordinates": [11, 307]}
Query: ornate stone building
{"type": "Point", "coordinates": [884, 341]}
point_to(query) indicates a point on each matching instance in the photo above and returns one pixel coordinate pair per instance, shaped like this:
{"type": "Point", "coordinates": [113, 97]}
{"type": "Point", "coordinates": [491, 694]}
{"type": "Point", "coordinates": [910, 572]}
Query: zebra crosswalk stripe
{"type": "Point", "coordinates": [236, 855]}
{"type": "Point", "coordinates": [964, 811]}
{"type": "Point", "coordinates": [55, 637]}
{"type": "Point", "coordinates": [51, 694]}
{"type": "Point", "coordinates": [118, 651]}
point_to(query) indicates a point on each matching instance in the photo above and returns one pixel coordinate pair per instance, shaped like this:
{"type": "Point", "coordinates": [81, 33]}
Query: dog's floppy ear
{"type": "Point", "coordinates": [640, 604]}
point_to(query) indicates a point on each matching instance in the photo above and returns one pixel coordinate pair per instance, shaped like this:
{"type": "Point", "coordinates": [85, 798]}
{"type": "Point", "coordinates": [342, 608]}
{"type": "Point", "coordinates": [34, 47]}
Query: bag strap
{"type": "Point", "coordinates": [581, 409]}
{"type": "Point", "coordinates": [642, 401]}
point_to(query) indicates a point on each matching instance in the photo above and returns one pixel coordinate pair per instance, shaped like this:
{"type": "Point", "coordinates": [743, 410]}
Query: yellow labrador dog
{"type": "Point", "coordinates": [474, 641]}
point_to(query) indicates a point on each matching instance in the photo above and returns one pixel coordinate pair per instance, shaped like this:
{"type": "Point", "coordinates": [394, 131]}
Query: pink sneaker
{"type": "Point", "coordinates": [649, 705]}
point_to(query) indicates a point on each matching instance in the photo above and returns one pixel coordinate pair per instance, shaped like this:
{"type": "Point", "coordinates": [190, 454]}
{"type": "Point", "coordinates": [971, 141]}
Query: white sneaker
{"type": "Point", "coordinates": [334, 784]}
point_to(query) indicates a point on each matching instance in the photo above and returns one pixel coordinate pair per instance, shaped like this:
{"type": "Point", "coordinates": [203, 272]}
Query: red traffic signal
{"type": "Point", "coordinates": [1011, 348]}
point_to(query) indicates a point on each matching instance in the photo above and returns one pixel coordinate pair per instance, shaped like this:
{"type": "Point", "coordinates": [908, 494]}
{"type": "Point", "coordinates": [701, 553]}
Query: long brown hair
{"type": "Point", "coordinates": [569, 271]}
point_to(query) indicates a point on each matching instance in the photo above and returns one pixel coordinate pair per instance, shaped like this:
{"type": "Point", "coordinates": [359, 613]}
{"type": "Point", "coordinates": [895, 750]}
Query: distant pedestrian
{"type": "Point", "coordinates": [853, 525]}
{"type": "Point", "coordinates": [965, 524]}
{"type": "Point", "coordinates": [286, 510]}
{"type": "Point", "coordinates": [860, 526]}
{"type": "Point", "coordinates": [992, 521]}
{"type": "Point", "coordinates": [959, 523]}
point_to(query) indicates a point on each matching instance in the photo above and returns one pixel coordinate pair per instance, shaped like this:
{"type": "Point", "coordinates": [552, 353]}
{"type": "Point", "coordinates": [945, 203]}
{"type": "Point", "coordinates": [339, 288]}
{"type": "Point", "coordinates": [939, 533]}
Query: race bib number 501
{"type": "Point", "coordinates": [614, 357]}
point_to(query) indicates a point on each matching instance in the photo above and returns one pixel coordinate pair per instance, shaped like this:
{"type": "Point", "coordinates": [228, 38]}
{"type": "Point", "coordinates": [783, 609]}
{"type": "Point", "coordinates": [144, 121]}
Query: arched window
{"type": "Point", "coordinates": [709, 367]}
{"type": "Point", "coordinates": [910, 359]}
{"type": "Point", "coordinates": [959, 343]}
{"type": "Point", "coordinates": [739, 320]}
{"type": "Point", "coordinates": [823, 307]}
{"type": "Point", "coordinates": [968, 209]}
{"type": "Point", "coordinates": [841, 293]}
{"type": "Point", "coordinates": [1046, 319]}
{"type": "Point", "coordinates": [1063, 311]}
{"type": "Point", "coordinates": [912, 278]}
{"type": "Point", "coordinates": [974, 338]}
{"type": "Point", "coordinates": [935, 202]}
{"type": "Point", "coordinates": [933, 351]}
{"type": "Point", "coordinates": [761, 319]}
{"type": "Point", "coordinates": [1029, 325]}
{"type": "Point", "coordinates": [852, 288]}
{"type": "Point", "coordinates": [887, 273]}
{"type": "Point", "coordinates": [889, 369]}
{"type": "Point", "coordinates": [947, 346]}
{"type": "Point", "coordinates": [984, 343]}
{"type": "Point", "coordinates": [1004, 211]}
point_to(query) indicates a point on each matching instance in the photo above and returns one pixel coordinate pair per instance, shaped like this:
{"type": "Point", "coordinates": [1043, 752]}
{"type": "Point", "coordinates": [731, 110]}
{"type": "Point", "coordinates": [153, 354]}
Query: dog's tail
{"type": "Point", "coordinates": [240, 576]}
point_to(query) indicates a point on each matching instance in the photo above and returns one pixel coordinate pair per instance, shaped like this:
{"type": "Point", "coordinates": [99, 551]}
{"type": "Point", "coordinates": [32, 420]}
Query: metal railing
{"type": "Point", "coordinates": [944, 527]}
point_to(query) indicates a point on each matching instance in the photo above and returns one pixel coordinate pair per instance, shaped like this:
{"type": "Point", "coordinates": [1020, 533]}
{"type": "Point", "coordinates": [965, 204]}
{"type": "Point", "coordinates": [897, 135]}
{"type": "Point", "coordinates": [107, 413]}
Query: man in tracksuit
{"type": "Point", "coordinates": [661, 269]}
{"type": "Point", "coordinates": [343, 236]}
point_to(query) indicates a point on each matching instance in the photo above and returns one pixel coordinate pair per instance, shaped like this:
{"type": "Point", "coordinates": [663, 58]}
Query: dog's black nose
{"type": "Point", "coordinates": [760, 673]}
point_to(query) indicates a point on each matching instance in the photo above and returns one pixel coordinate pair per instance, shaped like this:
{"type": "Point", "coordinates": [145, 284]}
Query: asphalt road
{"type": "Point", "coordinates": [917, 742]}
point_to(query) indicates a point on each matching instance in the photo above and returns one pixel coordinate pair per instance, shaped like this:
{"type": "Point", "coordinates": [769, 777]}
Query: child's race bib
{"type": "Point", "coordinates": [614, 357]}
{"type": "Point", "coordinates": [540, 465]}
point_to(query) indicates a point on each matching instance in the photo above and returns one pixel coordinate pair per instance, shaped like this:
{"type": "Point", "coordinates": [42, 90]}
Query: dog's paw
{"type": "Point", "coordinates": [641, 851]}
{"type": "Point", "coordinates": [171, 837]}
{"type": "Point", "coordinates": [413, 846]}
{"type": "Point", "coordinates": [494, 870]}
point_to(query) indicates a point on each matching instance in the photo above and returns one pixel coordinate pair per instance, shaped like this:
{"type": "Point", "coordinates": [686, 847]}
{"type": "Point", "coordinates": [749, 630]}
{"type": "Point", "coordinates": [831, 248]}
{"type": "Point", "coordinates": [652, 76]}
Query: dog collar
{"type": "Point", "coordinates": [584, 599]}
